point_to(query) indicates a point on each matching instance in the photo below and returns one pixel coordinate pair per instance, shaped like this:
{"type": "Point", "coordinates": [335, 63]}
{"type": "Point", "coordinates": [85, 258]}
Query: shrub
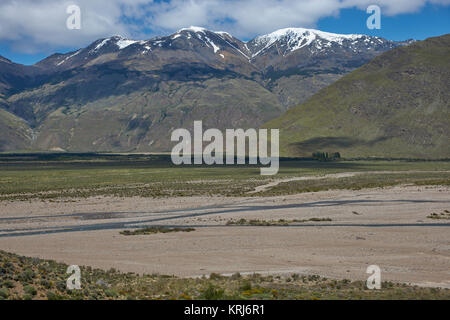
{"type": "Point", "coordinates": [246, 286]}
{"type": "Point", "coordinates": [8, 284]}
{"type": "Point", "coordinates": [53, 296]}
{"type": "Point", "coordinates": [26, 276]}
{"type": "Point", "coordinates": [30, 290]}
{"type": "Point", "coordinates": [61, 286]}
{"type": "Point", "coordinates": [215, 276]}
{"type": "Point", "coordinates": [211, 293]}
{"type": "Point", "coordinates": [4, 293]}
{"type": "Point", "coordinates": [45, 283]}
{"type": "Point", "coordinates": [111, 293]}
{"type": "Point", "coordinates": [236, 276]}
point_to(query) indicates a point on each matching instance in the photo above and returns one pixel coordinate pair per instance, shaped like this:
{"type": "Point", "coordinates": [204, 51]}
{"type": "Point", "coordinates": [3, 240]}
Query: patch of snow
{"type": "Point", "coordinates": [223, 33]}
{"type": "Point", "coordinates": [193, 29]}
{"type": "Point", "coordinates": [147, 49]}
{"type": "Point", "coordinates": [101, 44]}
{"type": "Point", "coordinates": [234, 47]}
{"type": "Point", "coordinates": [72, 55]}
{"type": "Point", "coordinates": [123, 43]}
{"type": "Point", "coordinates": [215, 48]}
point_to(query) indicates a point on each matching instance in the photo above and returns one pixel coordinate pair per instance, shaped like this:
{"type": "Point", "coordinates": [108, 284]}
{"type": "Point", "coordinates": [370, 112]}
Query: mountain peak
{"type": "Point", "coordinates": [203, 30]}
{"type": "Point", "coordinates": [292, 39]}
{"type": "Point", "coordinates": [311, 32]}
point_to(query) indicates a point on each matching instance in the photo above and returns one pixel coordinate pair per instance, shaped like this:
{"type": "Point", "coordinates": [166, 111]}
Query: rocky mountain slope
{"type": "Point", "coordinates": [398, 105]}
{"type": "Point", "coordinates": [125, 95]}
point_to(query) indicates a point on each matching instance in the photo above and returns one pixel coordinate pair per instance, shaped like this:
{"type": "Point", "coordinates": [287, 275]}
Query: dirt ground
{"type": "Point", "coordinates": [386, 227]}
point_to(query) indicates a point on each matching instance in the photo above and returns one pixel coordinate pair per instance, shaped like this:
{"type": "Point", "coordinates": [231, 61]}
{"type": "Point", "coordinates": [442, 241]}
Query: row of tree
{"type": "Point", "coordinates": [325, 156]}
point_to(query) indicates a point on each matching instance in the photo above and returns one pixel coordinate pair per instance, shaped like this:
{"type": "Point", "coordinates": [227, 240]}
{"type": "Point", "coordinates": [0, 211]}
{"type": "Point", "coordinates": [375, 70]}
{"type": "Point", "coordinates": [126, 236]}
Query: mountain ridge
{"type": "Point", "coordinates": [248, 49]}
{"type": "Point", "coordinates": [119, 94]}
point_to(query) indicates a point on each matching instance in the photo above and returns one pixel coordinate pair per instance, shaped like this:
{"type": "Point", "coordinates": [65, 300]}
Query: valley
{"type": "Point", "coordinates": [340, 217]}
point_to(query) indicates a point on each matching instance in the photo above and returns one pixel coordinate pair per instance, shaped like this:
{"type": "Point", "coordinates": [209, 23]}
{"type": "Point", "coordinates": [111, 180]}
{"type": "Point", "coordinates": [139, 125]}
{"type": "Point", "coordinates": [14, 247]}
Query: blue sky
{"type": "Point", "coordinates": [431, 21]}
{"type": "Point", "coordinates": [30, 30]}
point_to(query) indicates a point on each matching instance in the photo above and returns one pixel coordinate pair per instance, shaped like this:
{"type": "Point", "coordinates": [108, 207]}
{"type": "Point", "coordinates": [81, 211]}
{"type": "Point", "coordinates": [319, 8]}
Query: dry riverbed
{"type": "Point", "coordinates": [387, 227]}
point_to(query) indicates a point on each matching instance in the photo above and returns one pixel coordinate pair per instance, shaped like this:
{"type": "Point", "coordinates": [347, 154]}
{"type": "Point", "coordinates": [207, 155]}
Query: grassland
{"type": "Point", "coordinates": [31, 278]}
{"type": "Point", "coordinates": [24, 177]}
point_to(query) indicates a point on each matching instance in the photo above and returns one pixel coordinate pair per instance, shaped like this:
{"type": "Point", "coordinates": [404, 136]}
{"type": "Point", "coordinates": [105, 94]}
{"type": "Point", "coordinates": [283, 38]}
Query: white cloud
{"type": "Point", "coordinates": [393, 7]}
{"type": "Point", "coordinates": [251, 17]}
{"type": "Point", "coordinates": [37, 25]}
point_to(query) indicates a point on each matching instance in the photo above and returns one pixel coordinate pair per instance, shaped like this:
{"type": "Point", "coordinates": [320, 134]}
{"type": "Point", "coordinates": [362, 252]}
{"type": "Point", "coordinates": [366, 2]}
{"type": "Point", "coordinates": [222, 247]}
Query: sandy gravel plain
{"type": "Point", "coordinates": [387, 227]}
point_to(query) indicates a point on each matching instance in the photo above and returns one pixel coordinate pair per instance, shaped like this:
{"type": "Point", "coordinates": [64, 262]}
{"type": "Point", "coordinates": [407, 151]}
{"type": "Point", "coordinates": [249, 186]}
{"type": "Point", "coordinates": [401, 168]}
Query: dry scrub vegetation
{"type": "Point", "coordinates": [31, 278]}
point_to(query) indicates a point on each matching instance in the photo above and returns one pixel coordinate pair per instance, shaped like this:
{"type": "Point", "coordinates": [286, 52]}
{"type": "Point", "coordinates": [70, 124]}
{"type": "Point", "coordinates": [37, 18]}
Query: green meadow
{"type": "Point", "coordinates": [51, 176]}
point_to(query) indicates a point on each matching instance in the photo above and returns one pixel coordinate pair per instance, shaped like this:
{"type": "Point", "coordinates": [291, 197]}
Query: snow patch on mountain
{"type": "Point", "coordinates": [119, 41]}
{"type": "Point", "coordinates": [123, 43]}
{"type": "Point", "coordinates": [193, 29]}
{"type": "Point", "coordinates": [67, 58]}
{"type": "Point", "coordinates": [214, 46]}
{"type": "Point", "coordinates": [101, 44]}
{"type": "Point", "coordinates": [223, 33]}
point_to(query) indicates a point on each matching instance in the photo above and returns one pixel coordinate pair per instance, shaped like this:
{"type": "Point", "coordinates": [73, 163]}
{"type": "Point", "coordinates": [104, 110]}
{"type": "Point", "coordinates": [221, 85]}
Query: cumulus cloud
{"type": "Point", "coordinates": [36, 25]}
{"type": "Point", "coordinates": [251, 17]}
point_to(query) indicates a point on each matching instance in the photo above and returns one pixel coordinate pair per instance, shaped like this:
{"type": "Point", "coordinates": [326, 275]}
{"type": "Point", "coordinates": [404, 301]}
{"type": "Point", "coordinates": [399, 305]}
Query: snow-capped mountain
{"type": "Point", "coordinates": [124, 94]}
{"type": "Point", "coordinates": [281, 50]}
{"type": "Point", "coordinates": [289, 47]}
{"type": "Point", "coordinates": [203, 44]}
{"type": "Point", "coordinates": [292, 39]}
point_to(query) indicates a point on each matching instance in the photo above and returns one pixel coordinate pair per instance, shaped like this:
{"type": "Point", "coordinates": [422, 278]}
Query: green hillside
{"type": "Point", "coordinates": [398, 105]}
{"type": "Point", "coordinates": [15, 132]}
